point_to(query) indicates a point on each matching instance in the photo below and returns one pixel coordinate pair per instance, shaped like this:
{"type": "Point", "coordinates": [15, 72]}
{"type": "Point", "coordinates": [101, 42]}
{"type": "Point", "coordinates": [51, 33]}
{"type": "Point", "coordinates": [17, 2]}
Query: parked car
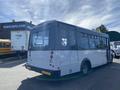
{"type": "Point", "coordinates": [115, 48]}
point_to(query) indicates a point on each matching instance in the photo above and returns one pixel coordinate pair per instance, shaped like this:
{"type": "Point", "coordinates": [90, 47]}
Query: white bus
{"type": "Point", "coordinates": [58, 49]}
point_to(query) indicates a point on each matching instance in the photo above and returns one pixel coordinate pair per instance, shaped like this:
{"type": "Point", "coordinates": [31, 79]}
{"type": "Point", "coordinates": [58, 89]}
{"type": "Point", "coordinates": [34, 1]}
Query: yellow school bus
{"type": "Point", "coordinates": [5, 47]}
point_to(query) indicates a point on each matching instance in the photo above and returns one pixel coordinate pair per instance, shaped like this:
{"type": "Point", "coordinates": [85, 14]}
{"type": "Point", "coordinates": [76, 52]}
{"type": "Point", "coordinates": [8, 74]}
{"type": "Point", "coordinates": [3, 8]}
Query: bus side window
{"type": "Point", "coordinates": [82, 39]}
{"type": "Point", "coordinates": [63, 40]}
{"type": "Point", "coordinates": [72, 40]}
{"type": "Point", "coordinates": [92, 42]}
{"type": "Point", "coordinates": [105, 42]}
{"type": "Point", "coordinates": [97, 42]}
{"type": "Point", "coordinates": [101, 43]}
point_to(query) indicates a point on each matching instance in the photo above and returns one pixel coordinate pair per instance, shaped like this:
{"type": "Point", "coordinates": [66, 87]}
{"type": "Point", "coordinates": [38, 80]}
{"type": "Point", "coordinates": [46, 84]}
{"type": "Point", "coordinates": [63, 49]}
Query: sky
{"type": "Point", "coordinates": [84, 13]}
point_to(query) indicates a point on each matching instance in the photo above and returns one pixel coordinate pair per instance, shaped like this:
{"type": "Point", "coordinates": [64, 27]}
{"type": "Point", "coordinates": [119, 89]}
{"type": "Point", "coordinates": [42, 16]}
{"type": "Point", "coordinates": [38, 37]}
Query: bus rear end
{"type": "Point", "coordinates": [41, 53]}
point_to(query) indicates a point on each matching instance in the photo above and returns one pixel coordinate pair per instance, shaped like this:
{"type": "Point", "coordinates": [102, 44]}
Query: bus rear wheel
{"type": "Point", "coordinates": [85, 68]}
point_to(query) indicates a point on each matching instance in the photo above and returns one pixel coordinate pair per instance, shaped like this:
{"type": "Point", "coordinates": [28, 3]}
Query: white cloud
{"type": "Point", "coordinates": [106, 17]}
{"type": "Point", "coordinates": [115, 28]}
{"type": "Point", "coordinates": [86, 7]}
{"type": "Point", "coordinates": [90, 22]}
{"type": "Point", "coordinates": [84, 13]}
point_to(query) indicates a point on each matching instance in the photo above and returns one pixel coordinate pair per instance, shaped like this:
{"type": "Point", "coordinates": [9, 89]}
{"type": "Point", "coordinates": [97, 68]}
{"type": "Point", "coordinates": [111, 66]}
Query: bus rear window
{"type": "Point", "coordinates": [40, 40]}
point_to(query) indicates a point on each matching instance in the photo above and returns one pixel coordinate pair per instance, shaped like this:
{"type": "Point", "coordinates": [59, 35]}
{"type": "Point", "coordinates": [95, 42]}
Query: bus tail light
{"type": "Point", "coordinates": [51, 55]}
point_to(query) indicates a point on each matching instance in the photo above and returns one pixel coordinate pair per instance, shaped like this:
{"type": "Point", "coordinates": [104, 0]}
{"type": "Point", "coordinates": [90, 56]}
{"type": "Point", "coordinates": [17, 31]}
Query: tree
{"type": "Point", "coordinates": [101, 29]}
{"type": "Point", "coordinates": [114, 36]}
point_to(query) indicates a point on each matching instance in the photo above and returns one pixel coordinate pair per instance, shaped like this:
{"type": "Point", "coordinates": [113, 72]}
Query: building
{"type": "Point", "coordinates": [5, 28]}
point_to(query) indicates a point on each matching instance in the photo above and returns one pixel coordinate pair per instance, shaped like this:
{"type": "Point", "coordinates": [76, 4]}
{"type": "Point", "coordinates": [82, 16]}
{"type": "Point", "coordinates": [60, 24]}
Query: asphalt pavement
{"type": "Point", "coordinates": [14, 76]}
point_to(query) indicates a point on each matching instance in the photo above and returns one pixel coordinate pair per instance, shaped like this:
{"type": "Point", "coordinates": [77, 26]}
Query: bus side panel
{"type": "Point", "coordinates": [67, 61]}
{"type": "Point", "coordinates": [70, 61]}
{"type": "Point", "coordinates": [96, 57]}
{"type": "Point", "coordinates": [5, 46]}
{"type": "Point", "coordinates": [5, 50]}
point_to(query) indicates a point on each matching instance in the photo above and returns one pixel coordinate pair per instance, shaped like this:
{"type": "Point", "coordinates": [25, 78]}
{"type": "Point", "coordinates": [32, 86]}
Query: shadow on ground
{"type": "Point", "coordinates": [102, 78]}
{"type": "Point", "coordinates": [12, 63]}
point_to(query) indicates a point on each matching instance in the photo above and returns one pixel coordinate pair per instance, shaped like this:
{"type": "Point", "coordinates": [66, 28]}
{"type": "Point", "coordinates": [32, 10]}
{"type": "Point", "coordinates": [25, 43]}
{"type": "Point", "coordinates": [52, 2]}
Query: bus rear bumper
{"type": "Point", "coordinates": [51, 73]}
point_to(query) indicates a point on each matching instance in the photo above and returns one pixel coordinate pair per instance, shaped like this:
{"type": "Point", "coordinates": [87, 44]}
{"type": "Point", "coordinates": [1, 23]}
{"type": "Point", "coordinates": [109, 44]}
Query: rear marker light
{"type": "Point", "coordinates": [52, 52]}
{"type": "Point", "coordinates": [51, 55]}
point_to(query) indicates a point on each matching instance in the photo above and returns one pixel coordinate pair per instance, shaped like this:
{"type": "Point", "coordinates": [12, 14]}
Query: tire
{"type": "Point", "coordinates": [117, 57]}
{"type": "Point", "coordinates": [113, 54]}
{"type": "Point", "coordinates": [85, 68]}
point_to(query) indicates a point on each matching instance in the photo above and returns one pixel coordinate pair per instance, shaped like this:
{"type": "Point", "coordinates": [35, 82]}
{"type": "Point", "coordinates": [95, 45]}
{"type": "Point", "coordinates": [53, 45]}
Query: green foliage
{"type": "Point", "coordinates": [101, 29]}
{"type": "Point", "coordinates": [114, 36]}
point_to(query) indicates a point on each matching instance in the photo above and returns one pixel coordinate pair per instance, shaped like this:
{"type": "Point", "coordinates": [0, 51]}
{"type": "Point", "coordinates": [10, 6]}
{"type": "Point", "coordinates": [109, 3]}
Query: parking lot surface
{"type": "Point", "coordinates": [14, 76]}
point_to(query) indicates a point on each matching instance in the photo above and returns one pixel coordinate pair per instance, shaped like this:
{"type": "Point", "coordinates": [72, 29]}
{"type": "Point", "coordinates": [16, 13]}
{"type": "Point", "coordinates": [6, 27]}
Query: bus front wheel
{"type": "Point", "coordinates": [85, 67]}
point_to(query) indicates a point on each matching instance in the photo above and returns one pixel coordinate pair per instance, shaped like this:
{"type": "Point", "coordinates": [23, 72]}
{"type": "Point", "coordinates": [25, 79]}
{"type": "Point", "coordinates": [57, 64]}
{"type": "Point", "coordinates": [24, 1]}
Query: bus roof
{"type": "Point", "coordinates": [4, 40]}
{"type": "Point", "coordinates": [57, 23]}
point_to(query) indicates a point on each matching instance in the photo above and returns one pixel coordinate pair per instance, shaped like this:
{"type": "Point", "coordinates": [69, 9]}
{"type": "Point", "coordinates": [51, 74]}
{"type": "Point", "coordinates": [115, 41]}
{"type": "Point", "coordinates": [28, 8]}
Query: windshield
{"type": "Point", "coordinates": [40, 40]}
